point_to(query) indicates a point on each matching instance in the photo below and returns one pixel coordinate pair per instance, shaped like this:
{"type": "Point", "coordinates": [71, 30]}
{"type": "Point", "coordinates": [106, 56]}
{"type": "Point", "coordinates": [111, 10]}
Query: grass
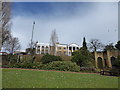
{"type": "Point", "coordinates": [15, 78]}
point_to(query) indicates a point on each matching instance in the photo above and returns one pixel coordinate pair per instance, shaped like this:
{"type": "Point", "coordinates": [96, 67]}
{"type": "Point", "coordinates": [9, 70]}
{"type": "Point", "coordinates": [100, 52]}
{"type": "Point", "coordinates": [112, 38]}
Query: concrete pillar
{"type": "Point", "coordinates": [56, 50]}
{"type": "Point", "coordinates": [96, 62]}
{"type": "Point", "coordinates": [68, 50]}
{"type": "Point", "coordinates": [44, 49]}
{"type": "Point", "coordinates": [40, 49]}
{"type": "Point", "coordinates": [36, 50]}
{"type": "Point", "coordinates": [75, 48]}
{"type": "Point", "coordinates": [72, 48]}
{"type": "Point", "coordinates": [109, 59]}
{"type": "Point", "coordinates": [49, 49]}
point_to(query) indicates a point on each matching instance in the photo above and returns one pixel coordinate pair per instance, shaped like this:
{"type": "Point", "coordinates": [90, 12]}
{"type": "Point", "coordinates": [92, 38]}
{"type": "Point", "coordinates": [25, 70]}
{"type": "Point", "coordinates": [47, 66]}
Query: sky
{"type": "Point", "coordinates": [72, 21]}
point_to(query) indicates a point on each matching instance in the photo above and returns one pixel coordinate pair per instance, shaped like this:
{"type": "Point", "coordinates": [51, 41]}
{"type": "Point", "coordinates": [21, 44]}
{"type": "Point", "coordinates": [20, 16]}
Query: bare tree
{"type": "Point", "coordinates": [95, 44]}
{"type": "Point", "coordinates": [53, 41]}
{"type": "Point", "coordinates": [5, 24]}
{"type": "Point", "coordinates": [110, 46]}
{"type": "Point", "coordinates": [12, 45]}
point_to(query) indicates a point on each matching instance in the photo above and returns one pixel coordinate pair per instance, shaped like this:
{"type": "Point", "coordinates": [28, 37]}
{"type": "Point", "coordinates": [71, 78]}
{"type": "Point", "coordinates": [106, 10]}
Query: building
{"type": "Point", "coordinates": [20, 52]}
{"type": "Point", "coordinates": [106, 58]}
{"type": "Point", "coordinates": [3, 53]}
{"type": "Point", "coordinates": [60, 49]}
{"type": "Point", "coordinates": [42, 48]}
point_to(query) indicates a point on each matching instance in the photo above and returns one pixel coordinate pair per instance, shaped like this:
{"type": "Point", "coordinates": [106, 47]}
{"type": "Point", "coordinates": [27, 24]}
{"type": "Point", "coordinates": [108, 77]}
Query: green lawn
{"type": "Point", "coordinates": [49, 79]}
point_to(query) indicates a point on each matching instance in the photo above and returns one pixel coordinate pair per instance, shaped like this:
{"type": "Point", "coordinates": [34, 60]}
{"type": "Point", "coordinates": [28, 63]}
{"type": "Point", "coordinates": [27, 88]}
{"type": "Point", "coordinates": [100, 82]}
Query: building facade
{"type": "Point", "coordinates": [106, 58]}
{"type": "Point", "coordinates": [42, 48]}
{"type": "Point", "coordinates": [60, 49]}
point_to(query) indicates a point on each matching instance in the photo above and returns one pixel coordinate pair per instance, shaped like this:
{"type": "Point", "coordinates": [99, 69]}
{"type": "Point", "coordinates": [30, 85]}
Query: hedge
{"type": "Point", "coordinates": [62, 66]}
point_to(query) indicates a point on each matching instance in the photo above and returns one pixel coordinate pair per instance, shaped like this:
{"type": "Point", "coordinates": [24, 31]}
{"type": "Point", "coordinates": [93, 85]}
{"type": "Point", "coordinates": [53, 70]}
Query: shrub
{"type": "Point", "coordinates": [27, 64]}
{"type": "Point", "coordinates": [88, 69]}
{"type": "Point", "coordinates": [116, 63]}
{"type": "Point", "coordinates": [10, 58]}
{"type": "Point", "coordinates": [49, 58]}
{"type": "Point", "coordinates": [62, 66]}
{"type": "Point", "coordinates": [22, 65]}
{"type": "Point", "coordinates": [37, 65]}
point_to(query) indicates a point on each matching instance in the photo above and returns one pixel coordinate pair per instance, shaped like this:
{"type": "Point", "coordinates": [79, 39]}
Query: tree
{"type": "Point", "coordinates": [84, 43]}
{"type": "Point", "coordinates": [12, 45]}
{"type": "Point", "coordinates": [109, 47]}
{"type": "Point", "coordinates": [83, 58]}
{"type": "Point", "coordinates": [5, 24]}
{"type": "Point", "coordinates": [53, 41]}
{"type": "Point", "coordinates": [95, 44]}
{"type": "Point", "coordinates": [118, 45]}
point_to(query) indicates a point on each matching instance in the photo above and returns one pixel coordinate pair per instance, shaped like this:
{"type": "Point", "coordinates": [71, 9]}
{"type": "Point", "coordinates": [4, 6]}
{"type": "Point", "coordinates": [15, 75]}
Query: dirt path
{"type": "Point", "coordinates": [50, 70]}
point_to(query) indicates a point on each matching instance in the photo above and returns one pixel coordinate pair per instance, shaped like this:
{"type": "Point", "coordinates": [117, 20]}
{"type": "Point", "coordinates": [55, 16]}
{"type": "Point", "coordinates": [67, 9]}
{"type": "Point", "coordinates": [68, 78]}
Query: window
{"type": "Point", "coordinates": [69, 53]}
{"type": "Point", "coordinates": [73, 48]}
{"type": "Point", "coordinates": [64, 53]}
{"type": "Point", "coordinates": [59, 53]}
{"type": "Point", "coordinates": [38, 51]}
{"type": "Point", "coordinates": [38, 46]}
{"type": "Point", "coordinates": [59, 47]}
{"type": "Point", "coordinates": [42, 52]}
{"type": "Point", "coordinates": [64, 48]}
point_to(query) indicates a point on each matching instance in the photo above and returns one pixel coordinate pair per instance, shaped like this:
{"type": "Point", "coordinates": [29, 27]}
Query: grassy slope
{"type": "Point", "coordinates": [50, 79]}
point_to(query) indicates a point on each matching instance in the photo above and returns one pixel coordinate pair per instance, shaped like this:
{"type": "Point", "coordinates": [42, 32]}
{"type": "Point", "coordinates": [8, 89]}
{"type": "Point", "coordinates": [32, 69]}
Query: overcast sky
{"type": "Point", "coordinates": [72, 21]}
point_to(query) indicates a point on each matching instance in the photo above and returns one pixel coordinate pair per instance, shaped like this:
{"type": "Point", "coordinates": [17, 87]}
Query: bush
{"type": "Point", "coordinates": [22, 65]}
{"type": "Point", "coordinates": [116, 63]}
{"type": "Point", "coordinates": [49, 58]}
{"type": "Point", "coordinates": [62, 66]}
{"type": "Point", "coordinates": [88, 69]}
{"type": "Point", "coordinates": [10, 58]}
{"type": "Point", "coordinates": [37, 65]}
{"type": "Point", "coordinates": [27, 64]}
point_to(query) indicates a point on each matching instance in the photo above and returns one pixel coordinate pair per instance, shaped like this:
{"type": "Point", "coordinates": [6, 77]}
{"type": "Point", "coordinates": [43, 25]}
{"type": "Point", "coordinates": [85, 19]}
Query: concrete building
{"type": "Point", "coordinates": [60, 49]}
{"type": "Point", "coordinates": [106, 58]}
{"type": "Point", "coordinates": [42, 48]}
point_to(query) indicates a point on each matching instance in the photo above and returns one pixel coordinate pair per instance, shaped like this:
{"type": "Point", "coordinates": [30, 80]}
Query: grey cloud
{"type": "Point", "coordinates": [94, 24]}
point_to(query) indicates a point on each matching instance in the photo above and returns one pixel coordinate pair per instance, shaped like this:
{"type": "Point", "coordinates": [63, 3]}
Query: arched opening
{"type": "Point", "coordinates": [100, 63]}
{"type": "Point", "coordinates": [73, 48]}
{"type": "Point", "coordinates": [105, 60]}
{"type": "Point", "coordinates": [112, 60]}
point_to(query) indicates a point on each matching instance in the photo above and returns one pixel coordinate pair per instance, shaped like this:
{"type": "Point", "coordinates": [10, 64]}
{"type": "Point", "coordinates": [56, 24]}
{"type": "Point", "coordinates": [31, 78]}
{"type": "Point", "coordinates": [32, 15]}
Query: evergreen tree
{"type": "Point", "coordinates": [84, 43]}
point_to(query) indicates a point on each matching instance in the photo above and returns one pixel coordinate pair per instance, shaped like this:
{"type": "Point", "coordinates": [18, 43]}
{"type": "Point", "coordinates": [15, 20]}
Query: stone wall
{"type": "Point", "coordinates": [106, 57]}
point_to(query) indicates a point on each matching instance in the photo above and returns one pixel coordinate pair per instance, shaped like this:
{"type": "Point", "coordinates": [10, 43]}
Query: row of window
{"type": "Point", "coordinates": [70, 48]}
{"type": "Point", "coordinates": [43, 47]}
{"type": "Point", "coordinates": [46, 52]}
